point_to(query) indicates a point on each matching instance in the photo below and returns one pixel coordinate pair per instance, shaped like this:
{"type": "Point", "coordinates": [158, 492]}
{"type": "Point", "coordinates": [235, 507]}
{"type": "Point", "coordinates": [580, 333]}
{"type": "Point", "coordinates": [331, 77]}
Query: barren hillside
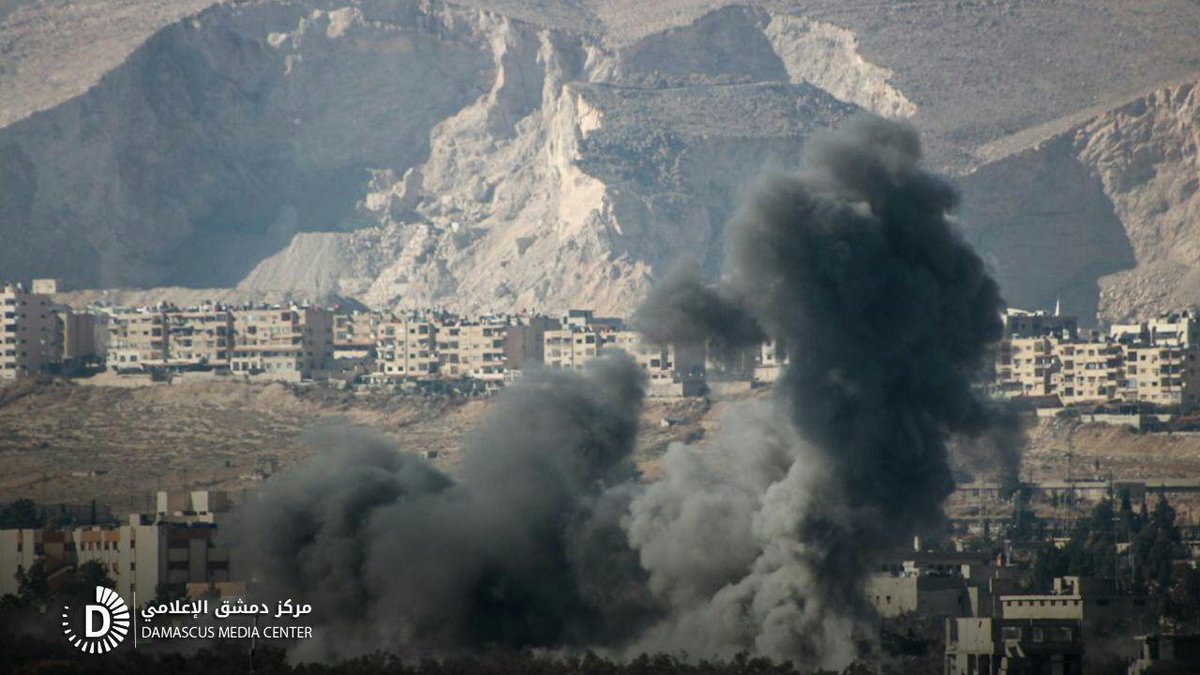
{"type": "Point", "coordinates": [547, 153]}
{"type": "Point", "coordinates": [212, 435]}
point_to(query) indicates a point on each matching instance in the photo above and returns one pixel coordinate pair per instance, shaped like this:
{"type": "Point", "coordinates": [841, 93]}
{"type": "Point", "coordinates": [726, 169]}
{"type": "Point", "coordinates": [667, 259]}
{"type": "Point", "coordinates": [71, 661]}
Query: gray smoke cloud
{"type": "Point", "coordinates": [682, 306]}
{"type": "Point", "coordinates": [524, 549]}
{"type": "Point", "coordinates": [762, 539]}
{"type": "Point", "coordinates": [757, 540]}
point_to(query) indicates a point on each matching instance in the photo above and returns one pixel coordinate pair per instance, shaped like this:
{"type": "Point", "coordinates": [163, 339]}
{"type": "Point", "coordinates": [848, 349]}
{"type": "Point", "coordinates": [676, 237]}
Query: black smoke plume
{"type": "Point", "coordinates": [523, 550]}
{"type": "Point", "coordinates": [762, 539]}
{"type": "Point", "coordinates": [759, 539]}
{"type": "Point", "coordinates": [682, 307]}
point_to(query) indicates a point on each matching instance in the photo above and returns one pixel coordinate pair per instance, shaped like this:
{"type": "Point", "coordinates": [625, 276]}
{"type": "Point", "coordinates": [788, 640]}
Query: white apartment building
{"type": "Point", "coordinates": [29, 330]}
{"type": "Point", "coordinates": [174, 546]}
{"type": "Point", "coordinates": [1154, 362]}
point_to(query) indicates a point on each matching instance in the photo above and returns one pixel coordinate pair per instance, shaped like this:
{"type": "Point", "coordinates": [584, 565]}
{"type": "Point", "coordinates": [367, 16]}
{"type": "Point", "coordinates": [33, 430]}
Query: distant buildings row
{"type": "Point", "coordinates": [1047, 355]}
{"type": "Point", "coordinates": [297, 343]}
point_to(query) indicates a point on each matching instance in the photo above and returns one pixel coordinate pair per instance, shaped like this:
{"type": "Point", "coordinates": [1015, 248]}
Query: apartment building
{"type": "Point", "coordinates": [79, 335]}
{"type": "Point", "coordinates": [473, 349]}
{"type": "Point", "coordinates": [288, 344]}
{"type": "Point", "coordinates": [1166, 375]}
{"type": "Point", "coordinates": [406, 348]}
{"type": "Point", "coordinates": [1027, 366]}
{"type": "Point", "coordinates": [198, 337]}
{"type": "Point", "coordinates": [1154, 362]}
{"type": "Point", "coordinates": [570, 347]}
{"type": "Point", "coordinates": [524, 341]}
{"type": "Point", "coordinates": [136, 338]}
{"type": "Point", "coordinates": [1174, 329]}
{"type": "Point", "coordinates": [22, 549]}
{"type": "Point", "coordinates": [174, 546]}
{"type": "Point", "coordinates": [656, 361]}
{"type": "Point", "coordinates": [144, 553]}
{"type": "Point", "coordinates": [354, 336]}
{"type": "Point", "coordinates": [1019, 323]}
{"type": "Point", "coordinates": [1091, 370]}
{"type": "Point", "coordinates": [29, 329]}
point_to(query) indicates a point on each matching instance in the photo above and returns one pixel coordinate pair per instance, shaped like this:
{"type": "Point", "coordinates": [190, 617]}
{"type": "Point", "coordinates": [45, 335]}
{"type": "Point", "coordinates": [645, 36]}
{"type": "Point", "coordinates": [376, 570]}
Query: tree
{"type": "Point", "coordinates": [1183, 603]}
{"type": "Point", "coordinates": [33, 589]}
{"type": "Point", "coordinates": [88, 576]}
{"type": "Point", "coordinates": [1156, 548]}
{"type": "Point", "coordinates": [20, 514]}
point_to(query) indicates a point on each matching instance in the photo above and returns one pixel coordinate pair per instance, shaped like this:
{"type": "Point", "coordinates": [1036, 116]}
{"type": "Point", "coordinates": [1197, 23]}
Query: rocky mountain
{"type": "Point", "coordinates": [1105, 214]}
{"type": "Point", "coordinates": [542, 154]}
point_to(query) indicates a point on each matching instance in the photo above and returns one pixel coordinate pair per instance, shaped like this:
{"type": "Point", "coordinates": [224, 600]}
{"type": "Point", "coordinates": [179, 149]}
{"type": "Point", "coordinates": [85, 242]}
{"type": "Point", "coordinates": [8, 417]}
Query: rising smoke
{"type": "Point", "coordinates": [887, 311]}
{"type": "Point", "coordinates": [757, 540]}
{"type": "Point", "coordinates": [524, 550]}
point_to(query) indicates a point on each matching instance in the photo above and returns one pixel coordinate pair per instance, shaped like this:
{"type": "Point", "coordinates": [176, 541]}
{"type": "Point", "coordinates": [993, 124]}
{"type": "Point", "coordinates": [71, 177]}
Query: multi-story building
{"type": "Point", "coordinates": [1091, 370]}
{"type": "Point", "coordinates": [199, 336]}
{"type": "Point", "coordinates": [991, 646]}
{"type": "Point", "coordinates": [570, 348]}
{"type": "Point", "coordinates": [1019, 323]}
{"type": "Point", "coordinates": [136, 338]}
{"type": "Point", "coordinates": [770, 362]}
{"type": "Point", "coordinates": [1162, 374]}
{"type": "Point", "coordinates": [1154, 362]}
{"type": "Point", "coordinates": [1095, 603]}
{"type": "Point", "coordinates": [473, 349]}
{"type": "Point", "coordinates": [406, 348]}
{"type": "Point", "coordinates": [290, 344]}
{"type": "Point", "coordinates": [524, 341]}
{"type": "Point", "coordinates": [656, 361]}
{"type": "Point", "coordinates": [29, 331]}
{"type": "Point", "coordinates": [1027, 366]}
{"type": "Point", "coordinates": [1174, 329]}
{"type": "Point", "coordinates": [79, 335]}
{"type": "Point", "coordinates": [354, 336]}
{"type": "Point", "coordinates": [174, 547]}
{"type": "Point", "coordinates": [22, 549]}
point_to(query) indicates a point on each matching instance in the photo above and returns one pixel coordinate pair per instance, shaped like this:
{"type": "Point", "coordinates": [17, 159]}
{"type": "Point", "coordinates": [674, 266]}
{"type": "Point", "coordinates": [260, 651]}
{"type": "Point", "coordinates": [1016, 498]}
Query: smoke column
{"type": "Point", "coordinates": [524, 550]}
{"type": "Point", "coordinates": [763, 538]}
{"type": "Point", "coordinates": [759, 539]}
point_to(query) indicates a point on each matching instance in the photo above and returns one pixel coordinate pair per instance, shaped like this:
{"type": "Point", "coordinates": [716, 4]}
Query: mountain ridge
{"type": "Point", "coordinates": [524, 154]}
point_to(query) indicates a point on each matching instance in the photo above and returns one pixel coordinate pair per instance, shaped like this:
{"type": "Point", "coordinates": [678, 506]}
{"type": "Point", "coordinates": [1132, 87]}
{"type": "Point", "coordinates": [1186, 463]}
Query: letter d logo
{"type": "Point", "coordinates": [89, 628]}
{"type": "Point", "coordinates": [105, 623]}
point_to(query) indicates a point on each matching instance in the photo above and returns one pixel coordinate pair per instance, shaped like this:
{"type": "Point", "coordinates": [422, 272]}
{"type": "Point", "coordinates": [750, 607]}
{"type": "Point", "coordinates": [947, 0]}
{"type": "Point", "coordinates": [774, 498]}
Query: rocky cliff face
{"type": "Point", "coordinates": [417, 153]}
{"type": "Point", "coordinates": [496, 154]}
{"type": "Point", "coordinates": [1105, 214]}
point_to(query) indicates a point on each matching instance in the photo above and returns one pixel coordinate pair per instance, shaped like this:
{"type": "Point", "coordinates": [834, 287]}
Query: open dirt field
{"type": "Point", "coordinates": [64, 443]}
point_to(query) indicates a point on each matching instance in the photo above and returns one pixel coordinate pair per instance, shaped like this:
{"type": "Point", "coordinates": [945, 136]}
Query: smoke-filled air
{"type": "Point", "coordinates": [757, 539]}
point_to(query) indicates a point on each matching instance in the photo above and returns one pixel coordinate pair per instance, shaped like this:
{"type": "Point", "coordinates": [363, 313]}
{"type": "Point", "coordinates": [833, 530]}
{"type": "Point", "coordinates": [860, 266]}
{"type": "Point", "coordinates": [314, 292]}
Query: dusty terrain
{"type": "Point", "coordinates": [213, 435]}
{"type": "Point", "coordinates": [71, 443]}
{"type": "Point", "coordinates": [1098, 450]}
